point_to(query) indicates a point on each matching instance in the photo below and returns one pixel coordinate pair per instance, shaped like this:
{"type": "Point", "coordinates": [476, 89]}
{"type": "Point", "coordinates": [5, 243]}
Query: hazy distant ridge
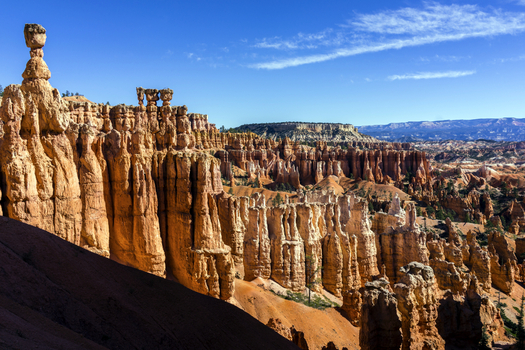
{"type": "Point", "coordinates": [498, 129]}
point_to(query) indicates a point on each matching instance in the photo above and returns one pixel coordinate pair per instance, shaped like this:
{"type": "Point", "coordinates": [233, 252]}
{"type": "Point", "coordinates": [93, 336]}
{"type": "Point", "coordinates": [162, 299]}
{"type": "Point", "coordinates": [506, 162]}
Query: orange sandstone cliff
{"type": "Point", "coordinates": [143, 185]}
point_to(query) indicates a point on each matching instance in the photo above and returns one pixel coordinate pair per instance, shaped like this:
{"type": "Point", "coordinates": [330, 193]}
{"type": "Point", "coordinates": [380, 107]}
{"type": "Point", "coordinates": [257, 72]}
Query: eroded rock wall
{"type": "Point", "coordinates": [399, 239]}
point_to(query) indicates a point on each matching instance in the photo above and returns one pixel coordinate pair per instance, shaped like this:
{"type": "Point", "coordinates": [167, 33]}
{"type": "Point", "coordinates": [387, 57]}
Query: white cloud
{"type": "Point", "coordinates": [327, 37]}
{"type": "Point", "coordinates": [432, 75]}
{"type": "Point", "coordinates": [375, 47]}
{"type": "Point", "coordinates": [512, 59]}
{"type": "Point", "coordinates": [440, 19]}
{"type": "Point", "coordinates": [398, 29]}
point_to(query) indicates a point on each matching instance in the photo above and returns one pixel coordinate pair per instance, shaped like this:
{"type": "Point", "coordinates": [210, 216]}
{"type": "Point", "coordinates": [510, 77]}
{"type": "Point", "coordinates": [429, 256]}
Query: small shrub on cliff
{"type": "Point", "coordinates": [277, 200]}
{"type": "Point", "coordinates": [484, 342]}
{"type": "Point", "coordinates": [483, 238]}
{"type": "Point", "coordinates": [440, 215]}
{"type": "Point", "coordinates": [450, 186]}
{"type": "Point", "coordinates": [504, 222]}
{"type": "Point", "coordinates": [285, 187]}
{"type": "Point", "coordinates": [1, 90]}
{"type": "Point", "coordinates": [408, 177]}
{"type": "Point", "coordinates": [511, 328]}
{"type": "Point", "coordinates": [311, 273]}
{"type": "Point", "coordinates": [316, 301]}
{"type": "Point", "coordinates": [504, 189]}
{"type": "Point", "coordinates": [520, 331]}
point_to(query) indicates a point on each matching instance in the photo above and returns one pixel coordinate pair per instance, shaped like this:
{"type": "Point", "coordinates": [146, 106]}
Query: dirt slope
{"type": "Point", "coordinates": [55, 295]}
{"type": "Point", "coordinates": [319, 327]}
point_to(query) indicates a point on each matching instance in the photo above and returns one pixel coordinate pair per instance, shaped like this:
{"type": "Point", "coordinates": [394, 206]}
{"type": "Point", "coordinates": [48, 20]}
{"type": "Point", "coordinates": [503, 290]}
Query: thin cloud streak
{"type": "Point", "coordinates": [512, 59]}
{"type": "Point", "coordinates": [432, 75]}
{"type": "Point", "coordinates": [434, 24]}
{"type": "Point", "coordinates": [395, 44]}
{"type": "Point", "coordinates": [326, 37]}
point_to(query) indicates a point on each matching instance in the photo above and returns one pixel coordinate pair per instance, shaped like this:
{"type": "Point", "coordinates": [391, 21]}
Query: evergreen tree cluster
{"type": "Point", "coordinates": [277, 200]}
{"type": "Point", "coordinates": [67, 94]}
{"type": "Point", "coordinates": [515, 330]}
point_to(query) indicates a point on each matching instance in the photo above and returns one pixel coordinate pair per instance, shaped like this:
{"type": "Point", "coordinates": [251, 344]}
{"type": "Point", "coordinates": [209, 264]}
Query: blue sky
{"type": "Point", "coordinates": [358, 62]}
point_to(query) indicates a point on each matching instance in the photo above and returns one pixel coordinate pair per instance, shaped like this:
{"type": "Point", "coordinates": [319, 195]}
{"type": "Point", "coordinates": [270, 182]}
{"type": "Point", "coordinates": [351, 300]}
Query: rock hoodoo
{"type": "Point", "coordinates": [143, 185]}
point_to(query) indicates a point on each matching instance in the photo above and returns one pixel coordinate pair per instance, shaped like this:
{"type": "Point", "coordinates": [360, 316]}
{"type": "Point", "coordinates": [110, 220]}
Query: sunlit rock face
{"type": "Point", "coordinates": [417, 295]}
{"type": "Point", "coordinates": [143, 185]}
{"type": "Point", "coordinates": [399, 239]}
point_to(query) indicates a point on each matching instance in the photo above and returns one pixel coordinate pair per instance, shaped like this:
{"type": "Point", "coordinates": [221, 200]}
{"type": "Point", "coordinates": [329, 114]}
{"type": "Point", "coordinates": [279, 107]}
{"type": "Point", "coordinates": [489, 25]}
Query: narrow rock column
{"type": "Point", "coordinates": [95, 227]}
{"type": "Point", "coordinates": [417, 302]}
{"type": "Point", "coordinates": [381, 321]}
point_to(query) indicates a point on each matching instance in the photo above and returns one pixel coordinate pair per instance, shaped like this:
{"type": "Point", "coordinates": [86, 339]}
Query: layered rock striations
{"type": "Point", "coordinates": [309, 132]}
{"type": "Point", "coordinates": [399, 239]}
{"type": "Point", "coordinates": [300, 244]}
{"type": "Point", "coordinates": [288, 161]}
{"type": "Point", "coordinates": [417, 294]}
{"type": "Point", "coordinates": [285, 161]}
{"type": "Point", "coordinates": [110, 183]}
{"type": "Point", "coordinates": [463, 317]}
{"type": "Point", "coordinates": [413, 315]}
{"type": "Point", "coordinates": [130, 183]}
{"type": "Point", "coordinates": [143, 185]}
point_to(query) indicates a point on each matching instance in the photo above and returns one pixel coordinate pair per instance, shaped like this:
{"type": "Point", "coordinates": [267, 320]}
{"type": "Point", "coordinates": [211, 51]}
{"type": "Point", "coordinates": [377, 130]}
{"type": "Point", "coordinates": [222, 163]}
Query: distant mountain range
{"type": "Point", "coordinates": [497, 129]}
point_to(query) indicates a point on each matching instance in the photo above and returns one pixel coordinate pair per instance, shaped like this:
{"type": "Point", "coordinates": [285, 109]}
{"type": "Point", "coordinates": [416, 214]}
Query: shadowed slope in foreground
{"type": "Point", "coordinates": [56, 295]}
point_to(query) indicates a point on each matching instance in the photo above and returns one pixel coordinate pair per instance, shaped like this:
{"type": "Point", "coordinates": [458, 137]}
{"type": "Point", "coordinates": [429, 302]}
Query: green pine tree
{"type": "Point", "coordinates": [520, 332]}
{"type": "Point", "coordinates": [504, 189]}
{"type": "Point", "coordinates": [311, 273]}
{"type": "Point", "coordinates": [278, 200]}
{"type": "Point", "coordinates": [484, 343]}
